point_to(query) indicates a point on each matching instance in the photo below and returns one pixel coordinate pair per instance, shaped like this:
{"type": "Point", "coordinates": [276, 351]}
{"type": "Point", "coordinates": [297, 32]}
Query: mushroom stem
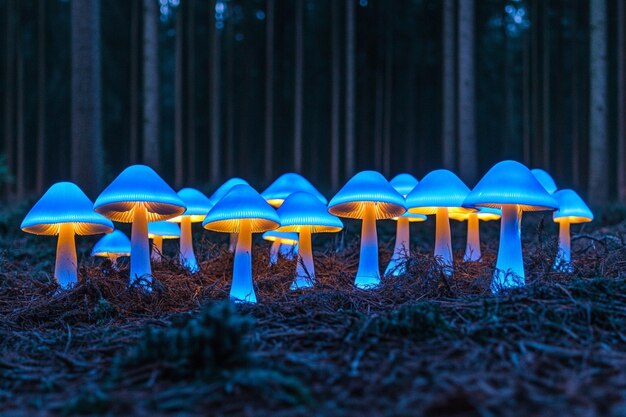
{"type": "Point", "coordinates": [140, 247]}
{"type": "Point", "coordinates": [66, 266]}
{"type": "Point", "coordinates": [443, 245]}
{"type": "Point", "coordinates": [274, 252]}
{"type": "Point", "coordinates": [509, 271]}
{"type": "Point", "coordinates": [563, 259]}
{"type": "Point", "coordinates": [368, 275]}
{"type": "Point", "coordinates": [232, 246]}
{"type": "Point", "coordinates": [157, 249]}
{"type": "Point", "coordinates": [113, 260]}
{"type": "Point", "coordinates": [472, 249]}
{"type": "Point", "coordinates": [187, 256]}
{"type": "Point", "coordinates": [397, 264]}
{"type": "Point", "coordinates": [242, 288]}
{"type": "Point", "coordinates": [287, 250]}
{"type": "Point", "coordinates": [305, 270]}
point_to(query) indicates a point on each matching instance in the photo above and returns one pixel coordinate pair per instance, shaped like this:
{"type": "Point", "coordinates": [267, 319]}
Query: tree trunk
{"type": "Point", "coordinates": [598, 138]}
{"type": "Point", "coordinates": [20, 146]}
{"type": "Point", "coordinates": [41, 99]}
{"type": "Point", "coordinates": [191, 93]}
{"type": "Point", "coordinates": [230, 100]}
{"type": "Point", "coordinates": [621, 102]}
{"type": "Point", "coordinates": [9, 84]}
{"type": "Point", "coordinates": [298, 87]}
{"type": "Point", "coordinates": [575, 100]}
{"type": "Point", "coordinates": [448, 145]}
{"type": "Point", "coordinates": [134, 83]}
{"type": "Point", "coordinates": [350, 86]}
{"type": "Point", "coordinates": [466, 109]}
{"type": "Point", "coordinates": [335, 99]}
{"type": "Point", "coordinates": [151, 142]}
{"type": "Point", "coordinates": [269, 92]}
{"type": "Point", "coordinates": [546, 134]}
{"type": "Point", "coordinates": [526, 100]}
{"type": "Point", "coordinates": [87, 153]}
{"type": "Point", "coordinates": [387, 121]}
{"type": "Point", "coordinates": [215, 95]}
{"type": "Point", "coordinates": [179, 170]}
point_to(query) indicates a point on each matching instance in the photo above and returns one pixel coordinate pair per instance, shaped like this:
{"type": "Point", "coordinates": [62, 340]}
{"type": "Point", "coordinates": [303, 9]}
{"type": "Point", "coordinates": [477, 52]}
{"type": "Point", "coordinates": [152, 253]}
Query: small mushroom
{"type": "Point", "coordinates": [65, 211]}
{"type": "Point", "coordinates": [511, 187]}
{"type": "Point", "coordinates": [305, 214]}
{"type": "Point", "coordinates": [159, 231]}
{"type": "Point", "coordinates": [287, 184]}
{"type": "Point", "coordinates": [217, 196]}
{"type": "Point", "coordinates": [283, 244]}
{"type": "Point", "coordinates": [139, 196]}
{"type": "Point", "coordinates": [440, 193]}
{"type": "Point", "coordinates": [572, 210]}
{"type": "Point", "coordinates": [472, 248]}
{"type": "Point", "coordinates": [367, 196]}
{"type": "Point", "coordinates": [403, 184]}
{"type": "Point", "coordinates": [112, 246]}
{"type": "Point", "coordinates": [198, 205]}
{"type": "Point", "coordinates": [545, 180]}
{"type": "Point", "coordinates": [243, 211]}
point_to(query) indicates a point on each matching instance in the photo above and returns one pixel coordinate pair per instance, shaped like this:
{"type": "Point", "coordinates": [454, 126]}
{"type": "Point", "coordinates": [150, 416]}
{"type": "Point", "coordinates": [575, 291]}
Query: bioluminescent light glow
{"type": "Point", "coordinates": [159, 231]}
{"type": "Point", "coordinates": [472, 247]}
{"type": "Point", "coordinates": [284, 244]}
{"type": "Point", "coordinates": [572, 210]}
{"type": "Point", "coordinates": [112, 246]}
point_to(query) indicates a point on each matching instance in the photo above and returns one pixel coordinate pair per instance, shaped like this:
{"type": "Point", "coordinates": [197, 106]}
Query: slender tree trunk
{"type": "Point", "coordinates": [449, 89]}
{"type": "Point", "coordinates": [87, 153]}
{"type": "Point", "coordinates": [134, 82]}
{"type": "Point", "coordinates": [335, 99]}
{"type": "Point", "coordinates": [230, 100]}
{"type": "Point", "coordinates": [151, 117]}
{"type": "Point", "coordinates": [41, 99]}
{"type": "Point", "coordinates": [575, 100]}
{"type": "Point", "coordinates": [387, 125]}
{"type": "Point", "coordinates": [378, 106]}
{"type": "Point", "coordinates": [546, 134]}
{"type": "Point", "coordinates": [179, 170]}
{"type": "Point", "coordinates": [191, 93]}
{"type": "Point", "coordinates": [9, 84]}
{"type": "Point", "coordinates": [215, 94]}
{"type": "Point", "coordinates": [269, 92]}
{"type": "Point", "coordinates": [466, 109]}
{"type": "Point", "coordinates": [526, 100]}
{"type": "Point", "coordinates": [20, 145]}
{"type": "Point", "coordinates": [534, 50]}
{"type": "Point", "coordinates": [598, 130]}
{"type": "Point", "coordinates": [410, 135]}
{"type": "Point", "coordinates": [350, 86]}
{"type": "Point", "coordinates": [621, 101]}
{"type": "Point", "coordinates": [298, 87]}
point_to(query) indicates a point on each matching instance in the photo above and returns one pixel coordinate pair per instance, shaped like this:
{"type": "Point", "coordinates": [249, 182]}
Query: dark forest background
{"type": "Point", "coordinates": [204, 90]}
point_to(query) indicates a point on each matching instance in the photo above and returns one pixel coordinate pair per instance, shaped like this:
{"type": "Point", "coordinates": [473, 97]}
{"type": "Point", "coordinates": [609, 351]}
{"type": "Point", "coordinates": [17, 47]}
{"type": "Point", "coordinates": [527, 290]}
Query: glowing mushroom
{"type": "Point", "coordinates": [159, 231]}
{"type": "Point", "coordinates": [440, 192]}
{"type": "Point", "coordinates": [243, 211]}
{"type": "Point", "coordinates": [545, 180]}
{"type": "Point", "coordinates": [305, 214]}
{"type": "Point", "coordinates": [65, 211]}
{"type": "Point", "coordinates": [217, 196]}
{"type": "Point", "coordinates": [370, 197]}
{"type": "Point", "coordinates": [472, 248]}
{"type": "Point", "coordinates": [572, 209]}
{"type": "Point", "coordinates": [287, 184]}
{"type": "Point", "coordinates": [511, 187]}
{"type": "Point", "coordinates": [112, 246]}
{"type": "Point", "coordinates": [283, 244]}
{"type": "Point", "coordinates": [403, 184]}
{"type": "Point", "coordinates": [139, 196]}
{"type": "Point", "coordinates": [198, 205]}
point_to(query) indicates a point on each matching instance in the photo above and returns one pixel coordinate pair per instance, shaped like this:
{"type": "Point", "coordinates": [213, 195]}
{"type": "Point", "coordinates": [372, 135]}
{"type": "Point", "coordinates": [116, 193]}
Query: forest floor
{"type": "Point", "coordinates": [421, 344]}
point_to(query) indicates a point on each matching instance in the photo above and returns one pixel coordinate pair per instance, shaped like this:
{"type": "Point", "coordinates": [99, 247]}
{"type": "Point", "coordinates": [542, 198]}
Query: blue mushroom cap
{"type": "Point", "coordinates": [139, 184]}
{"type": "Point", "coordinates": [439, 188]}
{"type": "Point", "coordinates": [225, 188]}
{"type": "Point", "coordinates": [404, 183]}
{"type": "Point", "coordinates": [484, 214]}
{"type": "Point", "coordinates": [164, 229]}
{"type": "Point", "coordinates": [509, 182]}
{"type": "Point", "coordinates": [364, 188]}
{"type": "Point", "coordinates": [65, 202]}
{"type": "Point", "coordinates": [571, 207]}
{"type": "Point", "coordinates": [287, 184]}
{"type": "Point", "coordinates": [289, 238]}
{"type": "Point", "coordinates": [241, 203]}
{"type": "Point", "coordinates": [198, 205]}
{"type": "Point", "coordinates": [115, 243]}
{"type": "Point", "coordinates": [545, 180]}
{"type": "Point", "coordinates": [304, 210]}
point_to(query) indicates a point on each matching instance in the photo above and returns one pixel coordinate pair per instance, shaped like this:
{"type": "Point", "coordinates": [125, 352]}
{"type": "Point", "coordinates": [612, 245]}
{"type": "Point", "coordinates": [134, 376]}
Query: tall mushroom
{"type": "Point", "coordinates": [283, 243]}
{"type": "Point", "coordinates": [305, 214]}
{"type": "Point", "coordinates": [221, 192]}
{"type": "Point", "coordinates": [367, 196]}
{"type": "Point", "coordinates": [545, 180]}
{"type": "Point", "coordinates": [243, 211]}
{"type": "Point", "coordinates": [65, 211]}
{"type": "Point", "coordinates": [112, 246]}
{"type": "Point", "coordinates": [472, 247]}
{"type": "Point", "coordinates": [139, 196]}
{"type": "Point", "coordinates": [198, 205]}
{"type": "Point", "coordinates": [572, 210]}
{"type": "Point", "coordinates": [511, 187]}
{"type": "Point", "coordinates": [440, 193]}
{"type": "Point", "coordinates": [159, 231]}
{"type": "Point", "coordinates": [403, 184]}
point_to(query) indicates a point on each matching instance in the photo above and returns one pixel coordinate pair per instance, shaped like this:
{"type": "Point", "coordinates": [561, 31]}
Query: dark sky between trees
{"type": "Point", "coordinates": [204, 90]}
